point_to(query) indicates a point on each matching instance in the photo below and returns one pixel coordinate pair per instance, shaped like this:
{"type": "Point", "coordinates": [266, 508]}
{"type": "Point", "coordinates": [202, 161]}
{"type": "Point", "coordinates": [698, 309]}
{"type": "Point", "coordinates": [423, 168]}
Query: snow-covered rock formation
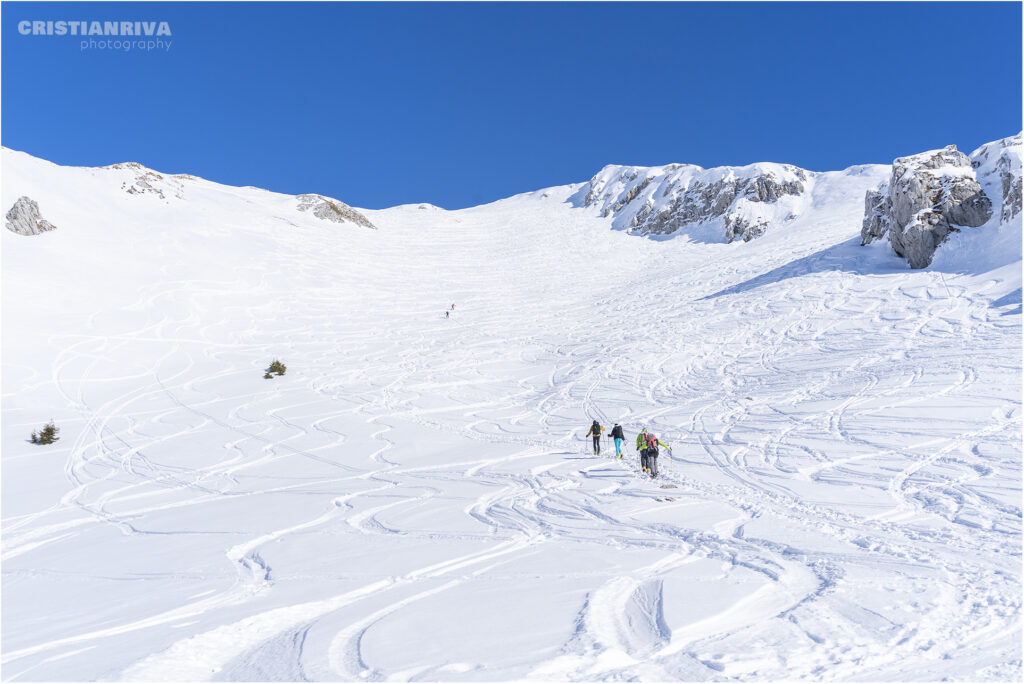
{"type": "Point", "coordinates": [331, 210]}
{"type": "Point", "coordinates": [663, 199]}
{"type": "Point", "coordinates": [932, 194]}
{"type": "Point", "coordinates": [998, 165]}
{"type": "Point", "coordinates": [139, 180]}
{"type": "Point", "coordinates": [24, 218]}
{"type": "Point", "coordinates": [925, 197]}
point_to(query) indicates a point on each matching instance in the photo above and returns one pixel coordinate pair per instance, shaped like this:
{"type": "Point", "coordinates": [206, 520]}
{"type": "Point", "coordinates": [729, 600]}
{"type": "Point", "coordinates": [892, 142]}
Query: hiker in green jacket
{"type": "Point", "coordinates": [647, 444]}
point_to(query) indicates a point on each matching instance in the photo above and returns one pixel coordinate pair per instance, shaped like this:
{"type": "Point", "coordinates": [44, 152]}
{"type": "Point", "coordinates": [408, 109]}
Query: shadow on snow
{"type": "Point", "coordinates": [848, 256]}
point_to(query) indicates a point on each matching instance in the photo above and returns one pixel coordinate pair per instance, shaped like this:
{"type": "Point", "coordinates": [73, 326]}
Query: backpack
{"type": "Point", "coordinates": [652, 441]}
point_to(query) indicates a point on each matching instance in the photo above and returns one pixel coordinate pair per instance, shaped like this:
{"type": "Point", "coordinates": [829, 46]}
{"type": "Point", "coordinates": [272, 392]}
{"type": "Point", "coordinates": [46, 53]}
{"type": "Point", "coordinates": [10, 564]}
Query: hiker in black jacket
{"type": "Point", "coordinates": [618, 436]}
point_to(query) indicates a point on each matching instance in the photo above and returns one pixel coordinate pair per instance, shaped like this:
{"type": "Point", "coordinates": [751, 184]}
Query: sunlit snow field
{"type": "Point", "coordinates": [415, 499]}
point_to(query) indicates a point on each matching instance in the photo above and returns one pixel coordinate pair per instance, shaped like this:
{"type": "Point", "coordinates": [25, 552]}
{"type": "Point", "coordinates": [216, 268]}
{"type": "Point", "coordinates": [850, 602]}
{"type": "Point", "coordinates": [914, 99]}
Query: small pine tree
{"type": "Point", "coordinates": [268, 376]}
{"type": "Point", "coordinates": [48, 435]}
{"type": "Point", "coordinates": [277, 367]}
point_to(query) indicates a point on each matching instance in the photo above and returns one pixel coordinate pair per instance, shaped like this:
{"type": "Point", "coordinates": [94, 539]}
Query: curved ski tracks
{"type": "Point", "coordinates": [755, 434]}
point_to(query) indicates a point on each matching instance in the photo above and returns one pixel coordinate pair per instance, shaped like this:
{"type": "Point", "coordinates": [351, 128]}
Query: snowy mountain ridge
{"type": "Point", "coordinates": [138, 181]}
{"type": "Point", "coordinates": [745, 202]}
{"type": "Point", "coordinates": [722, 203]}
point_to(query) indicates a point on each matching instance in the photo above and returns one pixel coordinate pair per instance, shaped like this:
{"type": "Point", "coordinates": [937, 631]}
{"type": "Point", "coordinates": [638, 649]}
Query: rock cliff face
{"type": "Point", "coordinates": [24, 218]}
{"type": "Point", "coordinates": [998, 164]}
{"type": "Point", "coordinates": [331, 210]}
{"type": "Point", "coordinates": [932, 194]}
{"type": "Point", "coordinates": [664, 199]}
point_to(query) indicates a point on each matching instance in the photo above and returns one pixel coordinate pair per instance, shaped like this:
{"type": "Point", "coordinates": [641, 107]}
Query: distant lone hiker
{"type": "Point", "coordinates": [617, 434]}
{"type": "Point", "coordinates": [596, 431]}
{"type": "Point", "coordinates": [453, 307]}
{"type": "Point", "coordinates": [446, 314]}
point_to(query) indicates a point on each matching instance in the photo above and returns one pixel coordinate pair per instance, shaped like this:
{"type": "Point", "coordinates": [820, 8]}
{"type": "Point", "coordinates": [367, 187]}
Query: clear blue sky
{"type": "Point", "coordinates": [460, 104]}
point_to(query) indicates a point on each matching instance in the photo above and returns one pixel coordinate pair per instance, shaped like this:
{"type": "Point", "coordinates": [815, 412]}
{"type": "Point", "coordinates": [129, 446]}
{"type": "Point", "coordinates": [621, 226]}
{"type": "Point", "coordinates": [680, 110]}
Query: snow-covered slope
{"type": "Point", "coordinates": [135, 192]}
{"type": "Point", "coordinates": [414, 498]}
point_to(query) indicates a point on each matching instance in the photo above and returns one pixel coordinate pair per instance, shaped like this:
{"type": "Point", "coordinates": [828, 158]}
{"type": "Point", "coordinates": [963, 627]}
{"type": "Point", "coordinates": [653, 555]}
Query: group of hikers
{"type": "Point", "coordinates": [647, 444]}
{"type": "Point", "coordinates": [449, 311]}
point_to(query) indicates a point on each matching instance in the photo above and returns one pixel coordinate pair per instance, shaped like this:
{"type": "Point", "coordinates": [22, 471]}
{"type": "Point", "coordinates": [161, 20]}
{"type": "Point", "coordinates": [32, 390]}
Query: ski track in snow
{"type": "Point", "coordinates": [841, 501]}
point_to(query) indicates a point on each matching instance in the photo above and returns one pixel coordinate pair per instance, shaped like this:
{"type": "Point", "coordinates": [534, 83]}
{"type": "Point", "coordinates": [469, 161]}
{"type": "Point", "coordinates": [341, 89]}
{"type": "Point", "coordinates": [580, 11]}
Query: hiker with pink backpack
{"type": "Point", "coordinates": [647, 444]}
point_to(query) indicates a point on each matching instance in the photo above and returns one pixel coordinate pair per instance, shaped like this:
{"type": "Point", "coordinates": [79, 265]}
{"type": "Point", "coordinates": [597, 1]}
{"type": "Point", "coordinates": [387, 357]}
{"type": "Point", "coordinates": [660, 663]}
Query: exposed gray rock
{"type": "Point", "coordinates": [24, 218]}
{"type": "Point", "coordinates": [877, 209]}
{"type": "Point", "coordinates": [662, 200]}
{"type": "Point", "coordinates": [149, 182]}
{"type": "Point", "coordinates": [928, 196]}
{"type": "Point", "coordinates": [999, 163]}
{"type": "Point", "coordinates": [741, 227]}
{"type": "Point", "coordinates": [631, 195]}
{"type": "Point", "coordinates": [1011, 196]}
{"type": "Point", "coordinates": [332, 210]}
{"type": "Point", "coordinates": [943, 181]}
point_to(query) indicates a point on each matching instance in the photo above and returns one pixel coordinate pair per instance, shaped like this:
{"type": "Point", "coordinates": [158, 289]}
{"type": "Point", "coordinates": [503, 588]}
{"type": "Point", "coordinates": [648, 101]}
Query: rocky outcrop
{"type": "Point", "coordinates": [143, 181]}
{"type": "Point", "coordinates": [663, 200]}
{"type": "Point", "coordinates": [24, 218]}
{"type": "Point", "coordinates": [744, 228]}
{"type": "Point", "coordinates": [927, 197]}
{"type": "Point", "coordinates": [1011, 196]}
{"type": "Point", "coordinates": [998, 165]}
{"type": "Point", "coordinates": [877, 208]}
{"type": "Point", "coordinates": [332, 210]}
